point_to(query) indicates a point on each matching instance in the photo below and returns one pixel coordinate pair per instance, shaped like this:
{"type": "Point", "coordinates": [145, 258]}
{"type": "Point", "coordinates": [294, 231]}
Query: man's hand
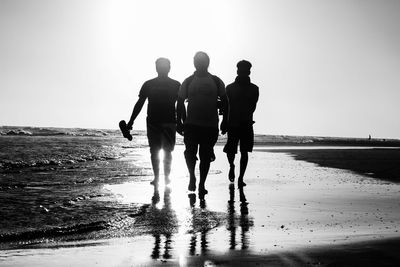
{"type": "Point", "coordinates": [129, 125]}
{"type": "Point", "coordinates": [179, 128]}
{"type": "Point", "coordinates": [224, 127]}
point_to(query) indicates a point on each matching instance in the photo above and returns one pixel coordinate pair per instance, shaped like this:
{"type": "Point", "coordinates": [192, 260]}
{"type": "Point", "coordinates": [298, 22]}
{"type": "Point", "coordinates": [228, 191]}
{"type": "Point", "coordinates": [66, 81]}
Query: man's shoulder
{"type": "Point", "coordinates": [157, 81]}
{"type": "Point", "coordinates": [203, 79]}
{"type": "Point", "coordinates": [250, 86]}
{"type": "Point", "coordinates": [208, 76]}
{"type": "Point", "coordinates": [254, 85]}
{"type": "Point", "coordinates": [215, 78]}
{"type": "Point", "coordinates": [188, 78]}
{"type": "Point", "coordinates": [150, 84]}
{"type": "Point", "coordinates": [231, 85]}
{"type": "Point", "coordinates": [151, 81]}
{"type": "Point", "coordinates": [236, 88]}
{"type": "Point", "coordinates": [172, 80]}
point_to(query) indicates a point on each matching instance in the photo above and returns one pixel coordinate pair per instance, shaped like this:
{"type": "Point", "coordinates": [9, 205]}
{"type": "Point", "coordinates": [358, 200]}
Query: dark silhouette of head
{"type": "Point", "coordinates": [163, 66]}
{"type": "Point", "coordinates": [201, 61]}
{"type": "Point", "coordinates": [243, 68]}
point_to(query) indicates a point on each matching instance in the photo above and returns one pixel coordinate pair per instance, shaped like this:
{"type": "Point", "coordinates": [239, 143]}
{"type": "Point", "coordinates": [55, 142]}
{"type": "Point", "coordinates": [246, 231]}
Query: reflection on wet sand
{"type": "Point", "coordinates": [164, 224]}
{"type": "Point", "coordinates": [195, 223]}
{"type": "Point", "coordinates": [194, 243]}
{"type": "Point", "coordinates": [243, 221]}
{"type": "Point", "coordinates": [192, 199]}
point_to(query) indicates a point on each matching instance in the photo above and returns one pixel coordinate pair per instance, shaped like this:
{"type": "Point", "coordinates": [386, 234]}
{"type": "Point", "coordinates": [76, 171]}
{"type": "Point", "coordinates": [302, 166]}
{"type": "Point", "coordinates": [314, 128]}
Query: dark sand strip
{"type": "Point", "coordinates": [379, 163]}
{"type": "Point", "coordinates": [371, 253]}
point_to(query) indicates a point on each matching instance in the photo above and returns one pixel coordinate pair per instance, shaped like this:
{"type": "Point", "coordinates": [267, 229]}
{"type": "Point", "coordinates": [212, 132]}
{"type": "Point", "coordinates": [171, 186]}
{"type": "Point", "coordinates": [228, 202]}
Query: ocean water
{"type": "Point", "coordinates": [52, 182]}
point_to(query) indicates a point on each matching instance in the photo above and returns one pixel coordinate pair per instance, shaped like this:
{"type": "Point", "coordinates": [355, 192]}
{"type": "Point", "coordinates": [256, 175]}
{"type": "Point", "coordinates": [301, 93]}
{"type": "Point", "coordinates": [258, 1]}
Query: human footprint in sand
{"type": "Point", "coordinates": [200, 124]}
{"type": "Point", "coordinates": [243, 97]}
{"type": "Point", "coordinates": [162, 93]}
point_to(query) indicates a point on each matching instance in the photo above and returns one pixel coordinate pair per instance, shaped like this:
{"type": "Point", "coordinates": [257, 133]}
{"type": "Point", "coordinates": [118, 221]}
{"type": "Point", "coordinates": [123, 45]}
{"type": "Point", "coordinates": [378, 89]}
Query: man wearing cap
{"type": "Point", "coordinates": [162, 93]}
{"type": "Point", "coordinates": [243, 97]}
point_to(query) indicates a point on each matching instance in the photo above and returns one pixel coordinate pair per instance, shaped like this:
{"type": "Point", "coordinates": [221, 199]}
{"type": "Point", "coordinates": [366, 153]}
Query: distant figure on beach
{"type": "Point", "coordinates": [162, 93]}
{"type": "Point", "coordinates": [199, 125]}
{"type": "Point", "coordinates": [243, 97]}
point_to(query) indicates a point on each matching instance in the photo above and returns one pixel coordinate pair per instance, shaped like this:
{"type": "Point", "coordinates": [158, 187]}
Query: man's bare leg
{"type": "Point", "coordinates": [204, 168]}
{"type": "Point", "coordinates": [231, 160]}
{"type": "Point", "coordinates": [167, 165]}
{"type": "Point", "coordinates": [244, 158]}
{"type": "Point", "coordinates": [155, 162]}
{"type": "Point", "coordinates": [191, 165]}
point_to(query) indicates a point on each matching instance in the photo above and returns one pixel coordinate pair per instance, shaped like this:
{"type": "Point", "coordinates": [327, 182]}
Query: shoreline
{"type": "Point", "coordinates": [260, 139]}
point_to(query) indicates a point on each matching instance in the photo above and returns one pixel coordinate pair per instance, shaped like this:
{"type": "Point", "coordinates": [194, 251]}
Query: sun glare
{"type": "Point", "coordinates": [176, 29]}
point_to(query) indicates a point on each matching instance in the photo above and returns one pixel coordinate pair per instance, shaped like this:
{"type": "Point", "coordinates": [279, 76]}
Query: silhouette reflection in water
{"type": "Point", "coordinates": [195, 223]}
{"type": "Point", "coordinates": [192, 199]}
{"type": "Point", "coordinates": [199, 226]}
{"type": "Point", "coordinates": [203, 243]}
{"type": "Point", "coordinates": [234, 221]}
{"type": "Point", "coordinates": [163, 224]}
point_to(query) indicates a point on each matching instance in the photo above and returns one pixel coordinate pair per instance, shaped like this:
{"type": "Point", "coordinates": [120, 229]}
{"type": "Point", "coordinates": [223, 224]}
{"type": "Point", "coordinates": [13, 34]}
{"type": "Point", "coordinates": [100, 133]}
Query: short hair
{"type": "Point", "coordinates": [163, 61]}
{"type": "Point", "coordinates": [244, 65]}
{"type": "Point", "coordinates": [201, 58]}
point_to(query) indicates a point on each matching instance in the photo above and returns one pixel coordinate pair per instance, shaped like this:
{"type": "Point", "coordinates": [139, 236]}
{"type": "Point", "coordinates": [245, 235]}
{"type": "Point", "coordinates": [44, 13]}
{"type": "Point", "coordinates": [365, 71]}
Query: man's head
{"type": "Point", "coordinates": [163, 66]}
{"type": "Point", "coordinates": [201, 61]}
{"type": "Point", "coordinates": [243, 68]}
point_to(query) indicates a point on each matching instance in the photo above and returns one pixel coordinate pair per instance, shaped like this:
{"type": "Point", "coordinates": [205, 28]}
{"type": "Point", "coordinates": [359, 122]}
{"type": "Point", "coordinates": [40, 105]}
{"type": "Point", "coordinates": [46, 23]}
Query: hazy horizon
{"type": "Point", "coordinates": [324, 68]}
{"type": "Point", "coordinates": [21, 127]}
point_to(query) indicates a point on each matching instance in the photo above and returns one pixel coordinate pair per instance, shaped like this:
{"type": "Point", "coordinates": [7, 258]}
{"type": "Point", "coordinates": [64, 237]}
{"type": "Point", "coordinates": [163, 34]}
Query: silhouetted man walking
{"type": "Point", "coordinates": [162, 93]}
{"type": "Point", "coordinates": [243, 97]}
{"type": "Point", "coordinates": [200, 129]}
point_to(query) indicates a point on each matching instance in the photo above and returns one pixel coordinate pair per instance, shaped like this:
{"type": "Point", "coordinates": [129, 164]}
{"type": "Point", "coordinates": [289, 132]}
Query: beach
{"type": "Point", "coordinates": [94, 95]}
{"type": "Point", "coordinates": [302, 206]}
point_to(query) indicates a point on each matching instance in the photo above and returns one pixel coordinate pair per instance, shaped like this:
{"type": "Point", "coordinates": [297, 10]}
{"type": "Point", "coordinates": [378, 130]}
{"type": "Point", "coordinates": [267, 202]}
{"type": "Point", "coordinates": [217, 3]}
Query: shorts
{"type": "Point", "coordinates": [244, 134]}
{"type": "Point", "coordinates": [161, 136]}
{"type": "Point", "coordinates": [202, 139]}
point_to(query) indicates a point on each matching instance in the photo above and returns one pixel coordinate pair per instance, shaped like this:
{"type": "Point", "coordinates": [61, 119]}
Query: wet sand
{"type": "Point", "coordinates": [380, 163]}
{"type": "Point", "coordinates": [298, 209]}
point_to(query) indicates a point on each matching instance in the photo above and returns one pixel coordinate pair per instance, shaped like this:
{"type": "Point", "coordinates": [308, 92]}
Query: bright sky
{"type": "Point", "coordinates": [324, 67]}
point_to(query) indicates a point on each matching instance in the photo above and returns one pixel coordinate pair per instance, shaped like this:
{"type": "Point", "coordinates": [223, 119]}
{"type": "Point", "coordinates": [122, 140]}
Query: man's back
{"type": "Point", "coordinates": [243, 97]}
{"type": "Point", "coordinates": [162, 94]}
{"type": "Point", "coordinates": [202, 93]}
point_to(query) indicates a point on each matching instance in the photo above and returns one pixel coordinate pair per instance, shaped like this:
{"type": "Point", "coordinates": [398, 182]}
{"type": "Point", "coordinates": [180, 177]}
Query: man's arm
{"type": "Point", "coordinates": [180, 114]}
{"type": "Point", "coordinates": [225, 113]}
{"type": "Point", "coordinates": [222, 94]}
{"type": "Point", "coordinates": [180, 106]}
{"type": "Point", "coordinates": [136, 110]}
{"type": "Point", "coordinates": [254, 104]}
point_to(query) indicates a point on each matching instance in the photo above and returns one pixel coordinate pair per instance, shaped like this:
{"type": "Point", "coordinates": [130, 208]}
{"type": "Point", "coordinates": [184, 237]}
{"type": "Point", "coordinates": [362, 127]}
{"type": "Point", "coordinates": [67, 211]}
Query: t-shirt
{"type": "Point", "coordinates": [243, 98]}
{"type": "Point", "coordinates": [162, 94]}
{"type": "Point", "coordinates": [202, 94]}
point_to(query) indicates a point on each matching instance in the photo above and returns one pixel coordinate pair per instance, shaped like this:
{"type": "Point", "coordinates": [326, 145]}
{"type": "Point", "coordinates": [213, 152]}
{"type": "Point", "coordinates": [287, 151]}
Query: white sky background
{"type": "Point", "coordinates": [328, 68]}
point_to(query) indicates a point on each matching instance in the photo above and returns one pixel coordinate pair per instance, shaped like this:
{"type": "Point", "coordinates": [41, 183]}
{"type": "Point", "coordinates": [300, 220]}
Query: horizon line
{"type": "Point", "coordinates": [267, 134]}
